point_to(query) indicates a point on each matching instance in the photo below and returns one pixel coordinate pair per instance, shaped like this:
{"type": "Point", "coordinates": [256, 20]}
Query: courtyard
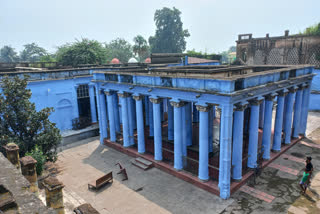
{"type": "Point", "coordinates": [275, 191]}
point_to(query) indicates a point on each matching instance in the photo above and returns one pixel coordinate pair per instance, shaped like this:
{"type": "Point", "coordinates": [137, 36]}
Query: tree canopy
{"type": "Point", "coordinates": [312, 30]}
{"type": "Point", "coordinates": [170, 35]}
{"type": "Point", "coordinates": [32, 53]}
{"type": "Point", "coordinates": [120, 49]}
{"type": "Point", "coordinates": [8, 54]}
{"type": "Point", "coordinates": [81, 52]}
{"type": "Point", "coordinates": [22, 124]}
{"type": "Point", "coordinates": [141, 48]}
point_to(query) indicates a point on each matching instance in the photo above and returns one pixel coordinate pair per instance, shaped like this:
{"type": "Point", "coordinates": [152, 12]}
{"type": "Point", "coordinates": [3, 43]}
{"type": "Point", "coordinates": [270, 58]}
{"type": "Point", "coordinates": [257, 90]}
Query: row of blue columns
{"type": "Point", "coordinates": [296, 100]}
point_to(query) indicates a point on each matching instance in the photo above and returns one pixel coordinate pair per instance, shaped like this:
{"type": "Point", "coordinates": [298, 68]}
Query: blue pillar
{"type": "Point", "coordinates": [162, 111]}
{"type": "Point", "coordinates": [146, 107]}
{"type": "Point", "coordinates": [133, 107]}
{"type": "Point", "coordinates": [125, 119]}
{"type": "Point", "coordinates": [99, 112]}
{"type": "Point", "coordinates": [112, 125]}
{"type": "Point", "coordinates": [140, 126]}
{"type": "Point", "coordinates": [237, 141]}
{"type": "Point", "coordinates": [261, 114]}
{"type": "Point", "coordinates": [266, 135]}
{"type": "Point", "coordinates": [203, 142]}
{"type": "Point", "coordinates": [116, 112]}
{"type": "Point", "coordinates": [184, 134]}
{"type": "Point", "coordinates": [304, 110]}
{"type": "Point", "coordinates": [297, 113]}
{"type": "Point", "coordinates": [195, 114]}
{"type": "Point", "coordinates": [170, 122]}
{"type": "Point", "coordinates": [214, 112]}
{"type": "Point", "coordinates": [210, 125]}
{"type": "Point", "coordinates": [131, 120]}
{"type": "Point", "coordinates": [278, 122]}
{"type": "Point", "coordinates": [225, 150]}
{"type": "Point", "coordinates": [253, 133]}
{"type": "Point", "coordinates": [151, 129]}
{"type": "Point", "coordinates": [103, 112]}
{"type": "Point", "coordinates": [157, 129]}
{"type": "Point", "coordinates": [178, 163]}
{"type": "Point", "coordinates": [288, 113]}
{"type": "Point", "coordinates": [189, 123]}
{"type": "Point", "coordinates": [284, 108]}
{"type": "Point", "coordinates": [92, 104]}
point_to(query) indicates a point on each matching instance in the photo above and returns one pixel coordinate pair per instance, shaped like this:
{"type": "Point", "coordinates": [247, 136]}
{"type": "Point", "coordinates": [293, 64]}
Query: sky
{"type": "Point", "coordinates": [214, 25]}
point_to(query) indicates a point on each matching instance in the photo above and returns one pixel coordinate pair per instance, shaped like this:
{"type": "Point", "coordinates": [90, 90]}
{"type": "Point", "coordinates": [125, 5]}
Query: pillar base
{"type": "Point", "coordinates": [237, 180]}
{"type": "Point", "coordinates": [203, 180]}
{"type": "Point", "coordinates": [275, 151]}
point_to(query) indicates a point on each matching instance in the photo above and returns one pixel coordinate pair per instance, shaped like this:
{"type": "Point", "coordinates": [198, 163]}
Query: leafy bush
{"type": "Point", "coordinates": [22, 124]}
{"type": "Point", "coordinates": [38, 155]}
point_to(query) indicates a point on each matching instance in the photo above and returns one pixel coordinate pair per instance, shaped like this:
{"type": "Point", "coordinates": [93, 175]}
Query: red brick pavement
{"type": "Point", "coordinates": [257, 193]}
{"type": "Point", "coordinates": [293, 158]}
{"type": "Point", "coordinates": [284, 168]}
{"type": "Point", "coordinates": [310, 144]}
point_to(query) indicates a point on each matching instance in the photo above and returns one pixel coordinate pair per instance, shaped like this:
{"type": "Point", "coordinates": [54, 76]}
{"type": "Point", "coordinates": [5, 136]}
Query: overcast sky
{"type": "Point", "coordinates": [213, 25]}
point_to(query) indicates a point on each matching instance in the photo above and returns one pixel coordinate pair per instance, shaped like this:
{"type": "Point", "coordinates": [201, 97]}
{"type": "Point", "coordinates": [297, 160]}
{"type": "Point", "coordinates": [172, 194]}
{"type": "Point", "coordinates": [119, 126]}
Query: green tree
{"type": "Point", "coordinates": [141, 48]}
{"type": "Point", "coordinates": [194, 53]}
{"type": "Point", "coordinates": [81, 52]}
{"type": "Point", "coordinates": [170, 36]}
{"type": "Point", "coordinates": [22, 124]}
{"type": "Point", "coordinates": [32, 53]}
{"type": "Point", "coordinates": [312, 30]}
{"type": "Point", "coordinates": [8, 54]}
{"type": "Point", "coordinates": [120, 49]}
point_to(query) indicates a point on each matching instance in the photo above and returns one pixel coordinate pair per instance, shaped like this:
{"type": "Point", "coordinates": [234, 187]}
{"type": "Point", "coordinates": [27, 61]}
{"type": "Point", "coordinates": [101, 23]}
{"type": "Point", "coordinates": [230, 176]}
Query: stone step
{"type": "Point", "coordinates": [144, 161]}
{"type": "Point", "coordinates": [139, 165]}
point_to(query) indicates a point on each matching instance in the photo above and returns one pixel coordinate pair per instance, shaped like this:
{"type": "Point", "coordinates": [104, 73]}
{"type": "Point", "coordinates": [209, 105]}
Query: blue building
{"type": "Point", "coordinates": [172, 116]}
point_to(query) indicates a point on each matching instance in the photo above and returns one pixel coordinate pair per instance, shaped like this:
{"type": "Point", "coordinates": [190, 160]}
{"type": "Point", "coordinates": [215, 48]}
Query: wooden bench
{"type": "Point", "coordinates": [96, 184]}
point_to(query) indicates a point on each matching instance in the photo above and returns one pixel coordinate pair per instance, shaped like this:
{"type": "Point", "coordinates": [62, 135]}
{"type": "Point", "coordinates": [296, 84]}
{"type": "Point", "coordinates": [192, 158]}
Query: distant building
{"type": "Point", "coordinates": [283, 50]}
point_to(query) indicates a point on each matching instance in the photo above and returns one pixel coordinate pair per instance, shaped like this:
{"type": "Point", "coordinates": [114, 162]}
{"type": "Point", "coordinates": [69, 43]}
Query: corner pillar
{"type": "Point", "coordinates": [103, 118]}
{"type": "Point", "coordinates": [225, 150]}
{"type": "Point", "coordinates": [297, 112]}
{"type": "Point", "coordinates": [305, 108]}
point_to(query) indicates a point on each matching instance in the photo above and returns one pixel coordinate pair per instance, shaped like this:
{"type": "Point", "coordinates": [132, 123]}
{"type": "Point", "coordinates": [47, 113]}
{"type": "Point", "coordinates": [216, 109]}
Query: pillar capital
{"type": "Point", "coordinates": [293, 89]}
{"type": "Point", "coordinates": [177, 104]}
{"type": "Point", "coordinates": [76, 86]}
{"type": "Point", "coordinates": [282, 93]}
{"type": "Point", "coordinates": [101, 91]}
{"type": "Point", "coordinates": [108, 93]}
{"type": "Point", "coordinates": [124, 94]}
{"type": "Point", "coordinates": [256, 101]}
{"type": "Point", "coordinates": [203, 108]}
{"type": "Point", "coordinates": [305, 85]}
{"type": "Point", "coordinates": [271, 96]}
{"type": "Point", "coordinates": [155, 100]}
{"type": "Point", "coordinates": [137, 97]}
{"type": "Point", "coordinates": [91, 84]}
{"type": "Point", "coordinates": [240, 106]}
